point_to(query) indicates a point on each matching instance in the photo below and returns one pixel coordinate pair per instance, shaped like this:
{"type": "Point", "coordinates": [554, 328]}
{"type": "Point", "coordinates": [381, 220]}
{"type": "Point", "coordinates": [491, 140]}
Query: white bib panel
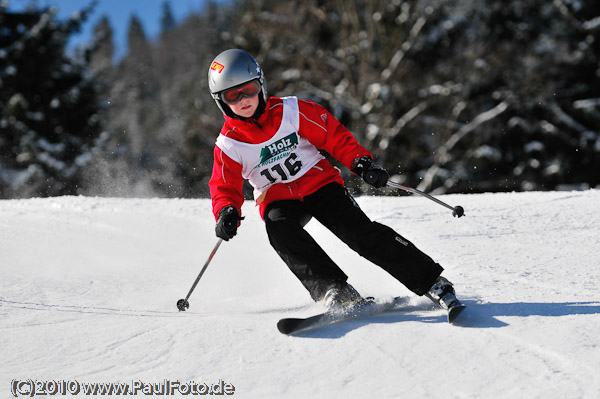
{"type": "Point", "coordinates": [282, 159]}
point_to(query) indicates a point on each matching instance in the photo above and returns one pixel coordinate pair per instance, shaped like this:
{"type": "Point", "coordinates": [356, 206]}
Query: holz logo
{"type": "Point", "coordinates": [285, 144]}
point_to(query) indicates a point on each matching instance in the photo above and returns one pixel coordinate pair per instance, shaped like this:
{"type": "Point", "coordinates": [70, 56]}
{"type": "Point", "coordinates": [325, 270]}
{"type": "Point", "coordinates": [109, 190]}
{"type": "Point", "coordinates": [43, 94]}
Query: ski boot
{"type": "Point", "coordinates": [342, 296]}
{"type": "Point", "coordinates": [442, 293]}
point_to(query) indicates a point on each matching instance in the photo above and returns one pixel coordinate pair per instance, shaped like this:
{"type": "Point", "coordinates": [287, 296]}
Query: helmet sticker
{"type": "Point", "coordinates": [217, 67]}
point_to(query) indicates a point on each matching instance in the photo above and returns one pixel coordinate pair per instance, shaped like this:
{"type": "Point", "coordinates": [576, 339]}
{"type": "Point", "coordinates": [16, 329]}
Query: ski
{"type": "Point", "coordinates": [455, 309]}
{"type": "Point", "coordinates": [293, 325]}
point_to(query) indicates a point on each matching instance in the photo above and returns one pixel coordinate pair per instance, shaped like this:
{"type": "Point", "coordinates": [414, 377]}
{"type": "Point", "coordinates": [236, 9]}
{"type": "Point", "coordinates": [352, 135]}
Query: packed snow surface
{"type": "Point", "coordinates": [88, 292]}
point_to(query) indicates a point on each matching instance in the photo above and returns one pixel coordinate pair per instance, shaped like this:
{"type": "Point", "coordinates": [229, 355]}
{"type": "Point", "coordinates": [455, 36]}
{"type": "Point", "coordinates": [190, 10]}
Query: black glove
{"type": "Point", "coordinates": [227, 223]}
{"type": "Point", "coordinates": [372, 173]}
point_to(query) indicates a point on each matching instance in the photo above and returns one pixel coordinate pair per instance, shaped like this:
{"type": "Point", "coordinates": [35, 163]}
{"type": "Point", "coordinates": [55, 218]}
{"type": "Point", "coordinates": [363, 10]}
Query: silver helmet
{"type": "Point", "coordinates": [233, 68]}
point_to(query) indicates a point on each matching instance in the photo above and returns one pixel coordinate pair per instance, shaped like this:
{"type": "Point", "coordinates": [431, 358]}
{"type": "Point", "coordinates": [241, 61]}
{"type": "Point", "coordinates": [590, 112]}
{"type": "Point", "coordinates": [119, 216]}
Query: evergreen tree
{"type": "Point", "coordinates": [167, 21]}
{"type": "Point", "coordinates": [101, 57]}
{"type": "Point", "coordinates": [49, 115]}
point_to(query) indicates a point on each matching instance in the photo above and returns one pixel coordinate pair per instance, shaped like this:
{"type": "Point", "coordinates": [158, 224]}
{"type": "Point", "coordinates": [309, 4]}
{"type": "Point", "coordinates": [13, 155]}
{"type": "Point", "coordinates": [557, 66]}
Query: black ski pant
{"type": "Point", "coordinates": [335, 208]}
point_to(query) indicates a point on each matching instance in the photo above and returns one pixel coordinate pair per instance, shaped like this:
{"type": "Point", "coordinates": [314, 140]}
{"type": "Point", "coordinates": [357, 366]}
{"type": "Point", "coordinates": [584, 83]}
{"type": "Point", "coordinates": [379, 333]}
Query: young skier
{"type": "Point", "coordinates": [274, 143]}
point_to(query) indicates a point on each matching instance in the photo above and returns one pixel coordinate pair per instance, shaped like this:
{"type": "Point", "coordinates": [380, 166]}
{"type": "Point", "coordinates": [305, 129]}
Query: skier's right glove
{"type": "Point", "coordinates": [372, 173]}
{"type": "Point", "coordinates": [228, 222]}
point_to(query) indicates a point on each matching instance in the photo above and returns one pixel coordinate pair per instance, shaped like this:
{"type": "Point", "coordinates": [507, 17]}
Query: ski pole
{"type": "Point", "coordinates": [371, 177]}
{"type": "Point", "coordinates": [457, 211]}
{"type": "Point", "coordinates": [183, 304]}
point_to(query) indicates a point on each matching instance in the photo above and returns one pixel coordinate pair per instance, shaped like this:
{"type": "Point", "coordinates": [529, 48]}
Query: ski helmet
{"type": "Point", "coordinates": [233, 68]}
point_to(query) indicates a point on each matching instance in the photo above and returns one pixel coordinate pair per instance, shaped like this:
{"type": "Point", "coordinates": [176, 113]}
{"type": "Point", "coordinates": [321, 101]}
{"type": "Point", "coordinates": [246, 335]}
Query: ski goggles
{"type": "Point", "coordinates": [233, 96]}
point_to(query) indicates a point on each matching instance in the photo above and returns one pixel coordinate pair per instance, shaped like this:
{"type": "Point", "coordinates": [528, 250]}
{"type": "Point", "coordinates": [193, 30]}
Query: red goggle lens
{"type": "Point", "coordinates": [233, 96]}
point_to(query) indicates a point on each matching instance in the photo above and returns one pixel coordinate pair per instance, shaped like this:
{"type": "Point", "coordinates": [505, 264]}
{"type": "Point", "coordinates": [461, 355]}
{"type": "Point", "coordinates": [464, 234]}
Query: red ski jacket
{"type": "Point", "coordinates": [316, 125]}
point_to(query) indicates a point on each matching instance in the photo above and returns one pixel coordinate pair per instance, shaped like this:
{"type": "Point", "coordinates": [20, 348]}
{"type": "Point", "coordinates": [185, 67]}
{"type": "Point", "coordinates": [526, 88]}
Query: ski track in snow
{"type": "Point", "coordinates": [88, 288]}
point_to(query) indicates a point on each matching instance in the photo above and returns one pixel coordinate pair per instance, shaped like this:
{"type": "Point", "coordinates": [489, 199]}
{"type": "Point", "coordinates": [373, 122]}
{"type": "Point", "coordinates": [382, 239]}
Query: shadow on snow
{"type": "Point", "coordinates": [476, 315]}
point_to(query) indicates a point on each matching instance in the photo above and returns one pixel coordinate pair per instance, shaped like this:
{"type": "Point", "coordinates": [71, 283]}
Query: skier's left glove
{"type": "Point", "coordinates": [372, 173]}
{"type": "Point", "coordinates": [228, 222]}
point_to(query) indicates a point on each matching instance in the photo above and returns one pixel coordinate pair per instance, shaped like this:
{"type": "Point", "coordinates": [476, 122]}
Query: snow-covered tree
{"type": "Point", "coordinates": [49, 113]}
{"type": "Point", "coordinates": [167, 20]}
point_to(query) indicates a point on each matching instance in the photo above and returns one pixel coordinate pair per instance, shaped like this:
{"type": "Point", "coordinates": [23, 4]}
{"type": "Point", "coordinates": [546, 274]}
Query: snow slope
{"type": "Point", "coordinates": [88, 288]}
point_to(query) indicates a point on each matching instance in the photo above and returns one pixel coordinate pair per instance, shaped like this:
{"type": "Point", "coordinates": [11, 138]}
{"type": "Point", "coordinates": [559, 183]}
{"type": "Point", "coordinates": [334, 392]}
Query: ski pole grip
{"type": "Point", "coordinates": [370, 176]}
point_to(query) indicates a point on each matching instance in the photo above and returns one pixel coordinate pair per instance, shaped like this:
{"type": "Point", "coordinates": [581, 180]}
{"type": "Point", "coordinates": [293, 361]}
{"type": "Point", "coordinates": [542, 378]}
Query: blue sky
{"type": "Point", "coordinates": [119, 13]}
